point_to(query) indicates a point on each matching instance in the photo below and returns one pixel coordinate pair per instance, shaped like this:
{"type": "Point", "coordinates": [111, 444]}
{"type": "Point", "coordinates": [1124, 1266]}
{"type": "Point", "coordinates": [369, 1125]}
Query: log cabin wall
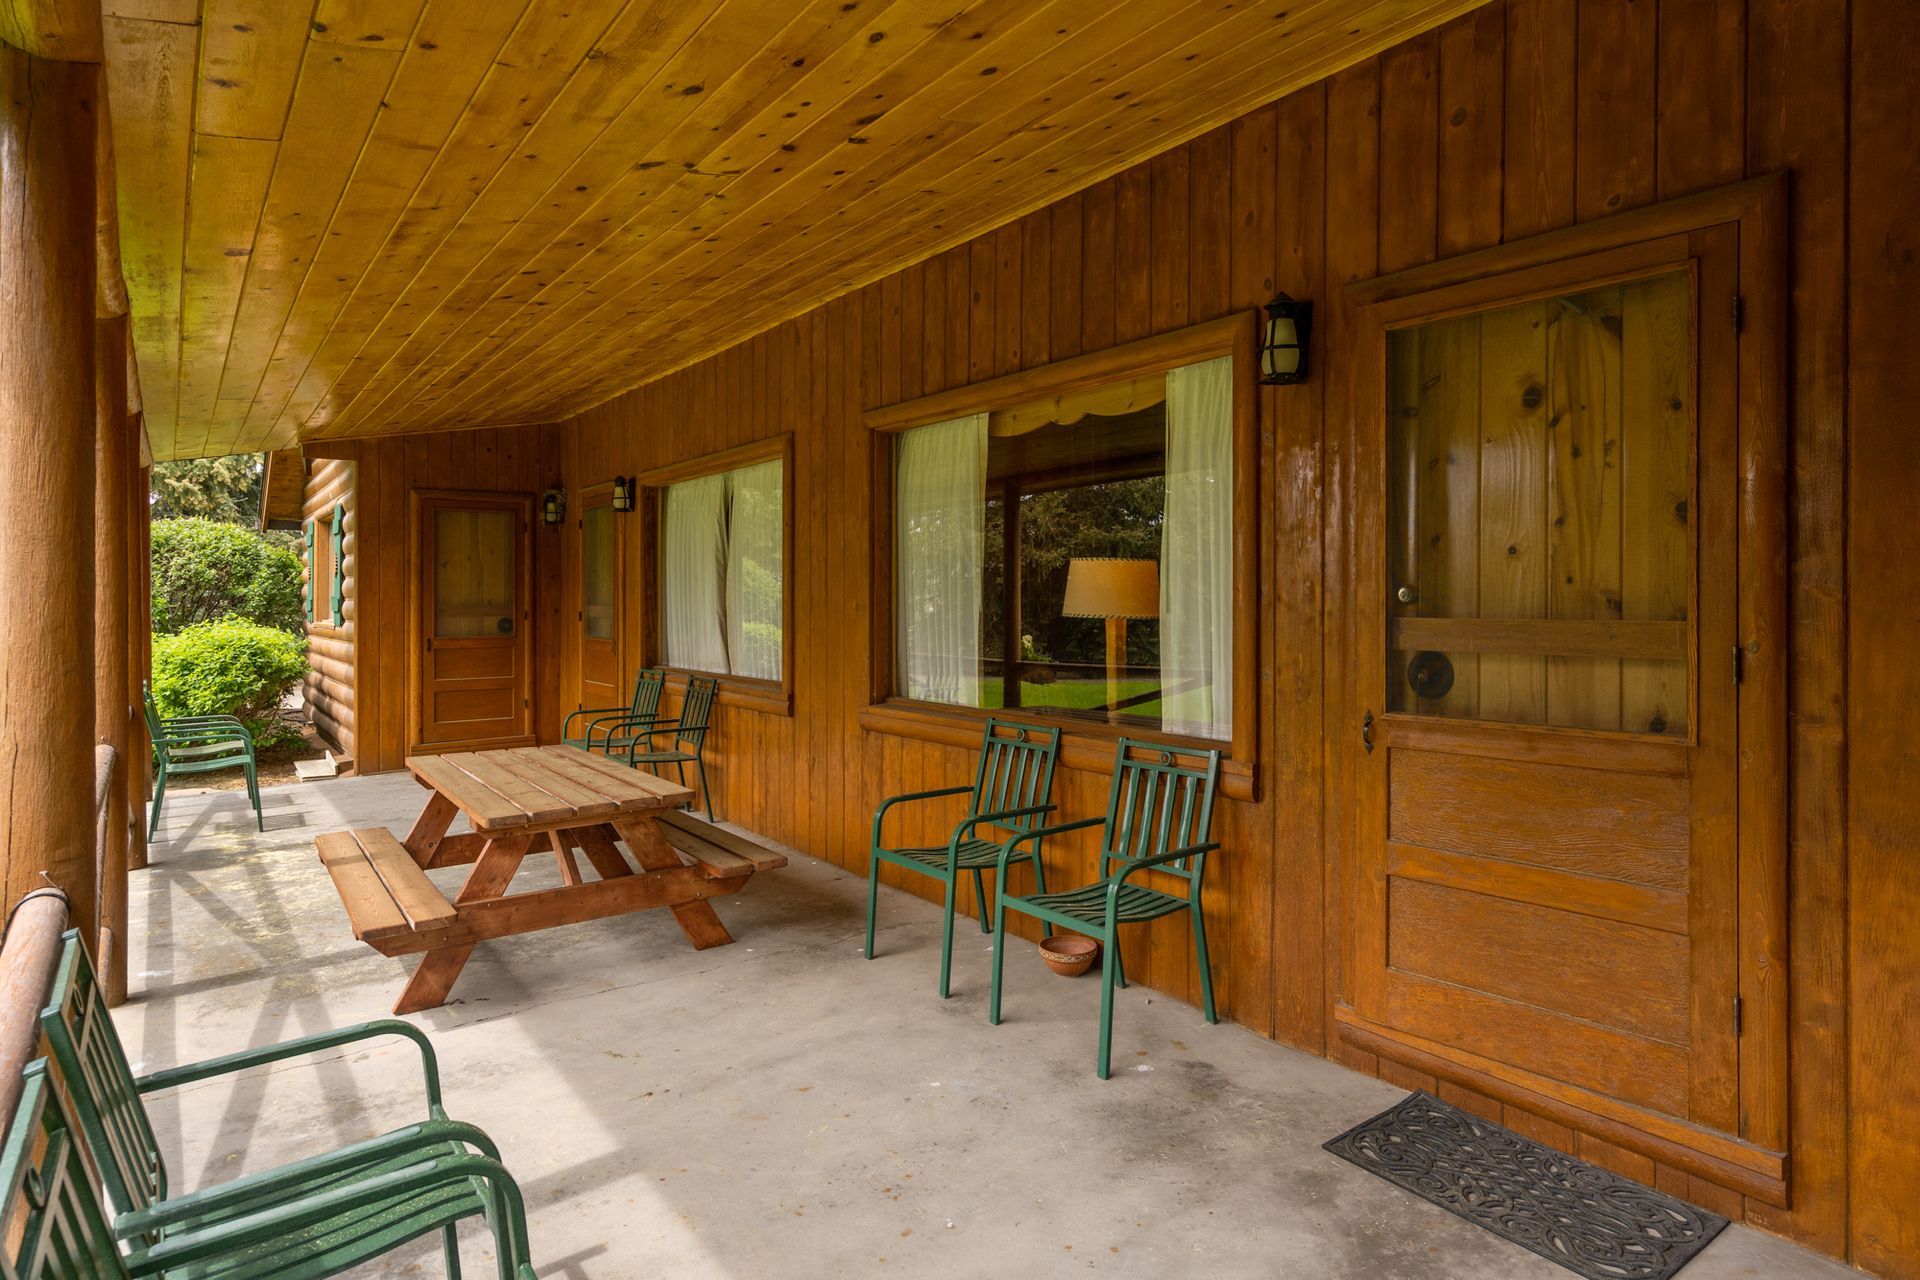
{"type": "Point", "coordinates": [330, 683]}
{"type": "Point", "coordinates": [1522, 117]}
{"type": "Point", "coordinates": [379, 603]}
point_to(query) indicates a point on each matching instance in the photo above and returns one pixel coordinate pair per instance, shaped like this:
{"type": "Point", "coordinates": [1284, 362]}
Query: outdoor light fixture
{"type": "Point", "coordinates": [553, 507]}
{"type": "Point", "coordinates": [622, 493]}
{"type": "Point", "coordinates": [1283, 356]}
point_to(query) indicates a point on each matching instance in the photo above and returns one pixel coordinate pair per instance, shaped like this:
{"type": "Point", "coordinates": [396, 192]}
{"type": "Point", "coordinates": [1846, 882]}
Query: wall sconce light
{"type": "Point", "coordinates": [553, 507]}
{"type": "Point", "coordinates": [622, 493]}
{"type": "Point", "coordinates": [1283, 356]}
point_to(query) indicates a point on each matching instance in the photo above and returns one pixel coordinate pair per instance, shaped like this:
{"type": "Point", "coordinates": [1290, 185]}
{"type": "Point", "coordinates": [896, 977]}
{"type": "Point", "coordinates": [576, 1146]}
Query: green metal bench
{"type": "Point", "coordinates": [315, 1217]}
{"type": "Point", "coordinates": [1159, 812]}
{"type": "Point", "coordinates": [611, 729]}
{"type": "Point", "coordinates": [1012, 783]}
{"type": "Point", "coordinates": [197, 744]}
{"type": "Point", "coordinates": [689, 731]}
{"type": "Point", "coordinates": [54, 1227]}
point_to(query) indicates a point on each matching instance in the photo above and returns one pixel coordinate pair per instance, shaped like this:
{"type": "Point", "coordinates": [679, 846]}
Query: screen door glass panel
{"type": "Point", "coordinates": [597, 575]}
{"type": "Point", "coordinates": [473, 573]}
{"type": "Point", "coordinates": [1541, 482]}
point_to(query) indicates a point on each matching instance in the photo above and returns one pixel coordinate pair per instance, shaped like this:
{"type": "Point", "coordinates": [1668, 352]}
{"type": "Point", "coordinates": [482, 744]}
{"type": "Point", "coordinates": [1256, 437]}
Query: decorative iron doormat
{"type": "Point", "coordinates": [1594, 1223]}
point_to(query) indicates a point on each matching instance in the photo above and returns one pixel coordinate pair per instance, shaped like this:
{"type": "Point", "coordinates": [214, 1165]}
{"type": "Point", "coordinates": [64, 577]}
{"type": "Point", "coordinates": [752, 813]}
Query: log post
{"type": "Point", "coordinates": [139, 642]}
{"type": "Point", "coordinates": [113, 696]}
{"type": "Point", "coordinates": [46, 461]}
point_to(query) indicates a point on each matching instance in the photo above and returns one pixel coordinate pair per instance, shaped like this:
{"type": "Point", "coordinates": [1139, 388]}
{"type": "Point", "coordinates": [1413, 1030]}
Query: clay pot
{"type": "Point", "coordinates": [1069, 954]}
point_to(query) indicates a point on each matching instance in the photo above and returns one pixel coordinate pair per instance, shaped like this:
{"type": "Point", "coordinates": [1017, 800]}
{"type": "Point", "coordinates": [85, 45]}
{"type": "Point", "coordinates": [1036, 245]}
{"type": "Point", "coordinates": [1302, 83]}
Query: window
{"type": "Point", "coordinates": [325, 586]}
{"type": "Point", "coordinates": [597, 571]}
{"type": "Point", "coordinates": [722, 558]}
{"type": "Point", "coordinates": [475, 566]}
{"type": "Point", "coordinates": [1073, 553]}
{"type": "Point", "coordinates": [1540, 542]}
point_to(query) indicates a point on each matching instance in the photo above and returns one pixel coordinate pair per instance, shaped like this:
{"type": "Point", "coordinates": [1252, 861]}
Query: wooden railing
{"type": "Point", "coordinates": [106, 766]}
{"type": "Point", "coordinates": [27, 959]}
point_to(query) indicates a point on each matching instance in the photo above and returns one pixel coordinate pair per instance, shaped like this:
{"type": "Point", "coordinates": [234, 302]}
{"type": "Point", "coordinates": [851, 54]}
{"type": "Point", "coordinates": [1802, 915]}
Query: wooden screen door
{"type": "Point", "coordinates": [1554, 570]}
{"type": "Point", "coordinates": [601, 583]}
{"type": "Point", "coordinates": [472, 618]}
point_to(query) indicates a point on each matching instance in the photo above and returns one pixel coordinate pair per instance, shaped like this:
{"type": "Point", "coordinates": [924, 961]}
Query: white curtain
{"type": "Point", "coordinates": [753, 598]}
{"type": "Point", "coordinates": [940, 539]}
{"type": "Point", "coordinates": [1196, 552]}
{"type": "Point", "coordinates": [693, 564]}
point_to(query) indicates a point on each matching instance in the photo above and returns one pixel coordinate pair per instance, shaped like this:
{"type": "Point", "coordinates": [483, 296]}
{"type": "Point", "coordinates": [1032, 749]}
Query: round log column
{"type": "Point", "coordinates": [46, 465]}
{"type": "Point", "coordinates": [113, 700]}
{"type": "Point", "coordinates": [139, 643]}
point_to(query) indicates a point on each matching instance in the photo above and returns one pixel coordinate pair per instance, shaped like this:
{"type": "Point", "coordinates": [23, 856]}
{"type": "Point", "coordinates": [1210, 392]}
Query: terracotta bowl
{"type": "Point", "coordinates": [1069, 954]}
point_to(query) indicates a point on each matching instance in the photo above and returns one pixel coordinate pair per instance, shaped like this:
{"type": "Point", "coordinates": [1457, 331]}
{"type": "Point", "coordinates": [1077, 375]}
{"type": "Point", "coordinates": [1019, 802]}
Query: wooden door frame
{"type": "Point", "coordinates": [592, 495]}
{"type": "Point", "coordinates": [1753, 1160]}
{"type": "Point", "coordinates": [417, 626]}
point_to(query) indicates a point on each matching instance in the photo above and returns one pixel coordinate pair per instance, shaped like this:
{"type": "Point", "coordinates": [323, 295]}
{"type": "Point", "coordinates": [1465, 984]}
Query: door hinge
{"type": "Point", "coordinates": [1736, 1015]}
{"type": "Point", "coordinates": [1739, 663]}
{"type": "Point", "coordinates": [1739, 313]}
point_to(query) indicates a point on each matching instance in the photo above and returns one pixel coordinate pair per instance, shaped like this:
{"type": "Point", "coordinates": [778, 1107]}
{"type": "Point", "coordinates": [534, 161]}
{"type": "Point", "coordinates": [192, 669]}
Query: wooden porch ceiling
{"type": "Point", "coordinates": [358, 217]}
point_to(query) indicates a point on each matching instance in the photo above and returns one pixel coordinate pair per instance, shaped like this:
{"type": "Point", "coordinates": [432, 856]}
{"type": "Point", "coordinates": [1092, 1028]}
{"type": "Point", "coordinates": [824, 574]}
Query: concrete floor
{"type": "Point", "coordinates": [778, 1107]}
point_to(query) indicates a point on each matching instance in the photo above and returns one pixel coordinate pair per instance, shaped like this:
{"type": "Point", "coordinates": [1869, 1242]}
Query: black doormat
{"type": "Point", "coordinates": [1592, 1222]}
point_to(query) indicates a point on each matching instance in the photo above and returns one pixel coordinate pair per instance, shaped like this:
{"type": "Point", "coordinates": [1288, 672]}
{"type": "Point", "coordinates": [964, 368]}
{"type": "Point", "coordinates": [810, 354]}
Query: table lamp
{"type": "Point", "coordinates": [1114, 590]}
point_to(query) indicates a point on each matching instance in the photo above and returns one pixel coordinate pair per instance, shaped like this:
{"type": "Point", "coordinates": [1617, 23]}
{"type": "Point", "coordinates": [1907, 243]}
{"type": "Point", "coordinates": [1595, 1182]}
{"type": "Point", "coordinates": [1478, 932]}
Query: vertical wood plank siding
{"type": "Point", "coordinates": [1521, 117]}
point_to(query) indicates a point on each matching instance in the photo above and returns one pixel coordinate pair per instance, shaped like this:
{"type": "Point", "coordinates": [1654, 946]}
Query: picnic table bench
{"type": "Point", "coordinates": [520, 801]}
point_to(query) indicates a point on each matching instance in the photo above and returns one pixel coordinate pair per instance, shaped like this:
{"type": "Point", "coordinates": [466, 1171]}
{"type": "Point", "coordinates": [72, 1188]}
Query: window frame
{"type": "Point", "coordinates": [1084, 744]}
{"type": "Point", "coordinates": [774, 697]}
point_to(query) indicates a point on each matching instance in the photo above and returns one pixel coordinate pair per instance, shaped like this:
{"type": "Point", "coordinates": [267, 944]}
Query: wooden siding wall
{"type": "Point", "coordinates": [1521, 117]}
{"type": "Point", "coordinates": [380, 603]}
{"type": "Point", "coordinates": [330, 650]}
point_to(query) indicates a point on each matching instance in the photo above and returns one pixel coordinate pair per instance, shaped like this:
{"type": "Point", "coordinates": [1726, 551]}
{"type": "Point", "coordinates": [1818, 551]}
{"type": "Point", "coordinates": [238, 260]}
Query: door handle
{"type": "Point", "coordinates": [1366, 732]}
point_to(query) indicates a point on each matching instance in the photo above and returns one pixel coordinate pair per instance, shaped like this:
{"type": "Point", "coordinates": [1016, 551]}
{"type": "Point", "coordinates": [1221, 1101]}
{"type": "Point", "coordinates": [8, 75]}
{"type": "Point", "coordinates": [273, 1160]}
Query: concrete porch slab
{"type": "Point", "coordinates": [778, 1107]}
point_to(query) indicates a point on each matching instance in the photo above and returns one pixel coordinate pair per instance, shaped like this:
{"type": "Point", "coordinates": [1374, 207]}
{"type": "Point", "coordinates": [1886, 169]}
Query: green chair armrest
{"type": "Point", "coordinates": [1038, 834]}
{"type": "Point", "coordinates": [567, 724]}
{"type": "Point", "coordinates": [226, 1064]}
{"type": "Point", "coordinates": [967, 825]}
{"type": "Point", "coordinates": [167, 721]}
{"type": "Point", "coordinates": [227, 1195]}
{"type": "Point", "coordinates": [608, 725]}
{"type": "Point", "coordinates": [1136, 865]}
{"type": "Point", "coordinates": [194, 736]}
{"type": "Point", "coordinates": [911, 797]}
{"type": "Point", "coordinates": [281, 1221]}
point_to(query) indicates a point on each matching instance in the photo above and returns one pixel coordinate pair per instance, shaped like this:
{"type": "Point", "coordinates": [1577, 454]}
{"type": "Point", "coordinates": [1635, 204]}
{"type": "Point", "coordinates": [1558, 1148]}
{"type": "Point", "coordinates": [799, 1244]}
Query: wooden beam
{"type": "Point", "coordinates": [113, 697]}
{"type": "Point", "coordinates": [46, 458]}
{"type": "Point", "coordinates": [54, 30]}
{"type": "Point", "coordinates": [110, 286]}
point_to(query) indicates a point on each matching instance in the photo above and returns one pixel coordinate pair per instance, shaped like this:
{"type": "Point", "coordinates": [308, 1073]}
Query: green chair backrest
{"type": "Point", "coordinates": [696, 711]}
{"type": "Point", "coordinates": [1015, 771]}
{"type": "Point", "coordinates": [151, 709]}
{"type": "Point", "coordinates": [51, 1223]}
{"type": "Point", "coordinates": [99, 1083]}
{"type": "Point", "coordinates": [1162, 800]}
{"type": "Point", "coordinates": [647, 687]}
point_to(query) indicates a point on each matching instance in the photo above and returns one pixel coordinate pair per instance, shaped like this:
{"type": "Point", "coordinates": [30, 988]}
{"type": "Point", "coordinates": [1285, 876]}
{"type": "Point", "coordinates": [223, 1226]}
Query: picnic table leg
{"type": "Point", "coordinates": [651, 850]}
{"type": "Point", "coordinates": [492, 872]}
{"type": "Point", "coordinates": [430, 828]}
{"type": "Point", "coordinates": [597, 842]}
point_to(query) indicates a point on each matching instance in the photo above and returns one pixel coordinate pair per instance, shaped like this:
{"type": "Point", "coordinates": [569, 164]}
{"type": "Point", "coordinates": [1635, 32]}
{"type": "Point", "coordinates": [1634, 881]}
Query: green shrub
{"type": "Point", "coordinates": [230, 667]}
{"type": "Point", "coordinates": [204, 570]}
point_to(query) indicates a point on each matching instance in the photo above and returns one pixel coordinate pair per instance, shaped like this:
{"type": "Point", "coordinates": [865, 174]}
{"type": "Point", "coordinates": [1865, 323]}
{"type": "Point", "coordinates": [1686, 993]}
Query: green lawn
{"type": "Point", "coordinates": [1073, 695]}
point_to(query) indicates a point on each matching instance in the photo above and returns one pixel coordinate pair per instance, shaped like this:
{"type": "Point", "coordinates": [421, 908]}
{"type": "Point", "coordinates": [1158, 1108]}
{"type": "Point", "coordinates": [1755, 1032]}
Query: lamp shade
{"type": "Point", "coordinates": [1099, 588]}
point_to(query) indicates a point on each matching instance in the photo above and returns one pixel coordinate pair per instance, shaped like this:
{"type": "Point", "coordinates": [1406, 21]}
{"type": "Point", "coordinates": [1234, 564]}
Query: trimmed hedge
{"type": "Point", "coordinates": [204, 570]}
{"type": "Point", "coordinates": [230, 667]}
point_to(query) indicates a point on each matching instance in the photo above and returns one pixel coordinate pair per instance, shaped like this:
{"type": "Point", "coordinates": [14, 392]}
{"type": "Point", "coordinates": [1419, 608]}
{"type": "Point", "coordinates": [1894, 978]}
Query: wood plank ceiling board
{"type": "Point", "coordinates": [361, 217]}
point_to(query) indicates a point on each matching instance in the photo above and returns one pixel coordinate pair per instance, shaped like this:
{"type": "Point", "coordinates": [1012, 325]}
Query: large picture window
{"type": "Point", "coordinates": [1073, 553]}
{"type": "Point", "coordinates": [722, 571]}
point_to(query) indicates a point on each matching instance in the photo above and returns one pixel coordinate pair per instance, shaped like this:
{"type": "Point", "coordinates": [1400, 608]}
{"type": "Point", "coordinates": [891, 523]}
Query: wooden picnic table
{"type": "Point", "coordinates": [528, 800]}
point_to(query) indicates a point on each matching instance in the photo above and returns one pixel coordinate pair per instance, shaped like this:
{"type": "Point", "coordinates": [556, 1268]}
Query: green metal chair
{"type": "Point", "coordinates": [54, 1227]}
{"type": "Point", "coordinates": [689, 733]}
{"type": "Point", "coordinates": [1012, 783]}
{"type": "Point", "coordinates": [1159, 812]}
{"type": "Point", "coordinates": [351, 1222]}
{"type": "Point", "coordinates": [197, 744]}
{"type": "Point", "coordinates": [611, 729]}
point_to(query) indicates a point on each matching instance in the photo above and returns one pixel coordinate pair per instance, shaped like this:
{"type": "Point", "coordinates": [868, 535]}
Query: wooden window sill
{"type": "Point", "coordinates": [768, 697]}
{"type": "Point", "coordinates": [1084, 745]}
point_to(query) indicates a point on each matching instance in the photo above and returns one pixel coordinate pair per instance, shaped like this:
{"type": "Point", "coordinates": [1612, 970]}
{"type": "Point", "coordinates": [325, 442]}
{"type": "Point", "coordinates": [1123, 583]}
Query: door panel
{"type": "Point", "coordinates": [1548, 787]}
{"type": "Point", "coordinates": [472, 668]}
{"type": "Point", "coordinates": [601, 590]}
